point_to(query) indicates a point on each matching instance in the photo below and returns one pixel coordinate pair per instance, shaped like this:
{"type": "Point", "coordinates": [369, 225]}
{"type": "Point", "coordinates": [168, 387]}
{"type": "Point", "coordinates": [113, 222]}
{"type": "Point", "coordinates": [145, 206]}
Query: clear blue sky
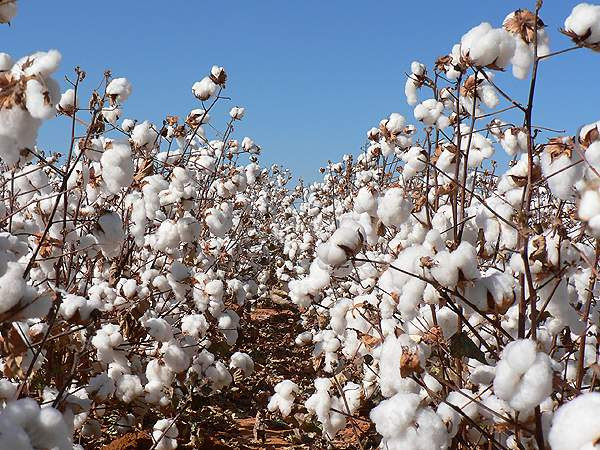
{"type": "Point", "coordinates": [313, 75]}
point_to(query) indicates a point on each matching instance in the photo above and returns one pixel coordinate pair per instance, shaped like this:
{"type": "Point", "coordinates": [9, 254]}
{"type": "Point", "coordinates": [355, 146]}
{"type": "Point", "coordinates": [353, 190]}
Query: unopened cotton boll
{"type": "Point", "coordinates": [576, 424]}
{"type": "Point", "coordinates": [523, 376]}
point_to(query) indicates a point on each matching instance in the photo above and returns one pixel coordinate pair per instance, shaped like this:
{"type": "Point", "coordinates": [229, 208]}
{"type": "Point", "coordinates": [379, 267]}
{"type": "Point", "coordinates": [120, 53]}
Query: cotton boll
{"type": "Point", "coordinates": [589, 210]}
{"type": "Point", "coordinates": [393, 208]}
{"type": "Point", "coordinates": [560, 167]}
{"type": "Point", "coordinates": [403, 424]}
{"type": "Point", "coordinates": [117, 166]}
{"type": "Point", "coordinates": [204, 89]}
{"type": "Point", "coordinates": [237, 113]}
{"type": "Point", "coordinates": [283, 399]}
{"type": "Point", "coordinates": [68, 103]}
{"type": "Point", "coordinates": [165, 434]}
{"type": "Point", "coordinates": [523, 375]}
{"type": "Point", "coordinates": [487, 46]}
{"type": "Point", "coordinates": [430, 113]}
{"type": "Point", "coordinates": [128, 388]}
{"type": "Point", "coordinates": [159, 329]}
{"type": "Point", "coordinates": [12, 286]}
{"type": "Point", "coordinates": [109, 234]}
{"type": "Point", "coordinates": [38, 101]}
{"type": "Point", "coordinates": [194, 325]}
{"type": "Point", "coordinates": [576, 424]}
{"type": "Point", "coordinates": [144, 135]}
{"type": "Point", "coordinates": [583, 24]}
{"type": "Point", "coordinates": [119, 89]}
{"type": "Point", "coordinates": [174, 356]}
{"type": "Point", "coordinates": [240, 360]}
{"type": "Point", "coordinates": [219, 376]}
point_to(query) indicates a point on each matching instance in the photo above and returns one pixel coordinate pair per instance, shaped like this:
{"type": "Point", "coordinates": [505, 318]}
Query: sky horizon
{"type": "Point", "coordinates": [313, 76]}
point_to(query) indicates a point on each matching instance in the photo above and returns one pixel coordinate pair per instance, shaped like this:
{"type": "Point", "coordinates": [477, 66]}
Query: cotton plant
{"type": "Point", "coordinates": [443, 265]}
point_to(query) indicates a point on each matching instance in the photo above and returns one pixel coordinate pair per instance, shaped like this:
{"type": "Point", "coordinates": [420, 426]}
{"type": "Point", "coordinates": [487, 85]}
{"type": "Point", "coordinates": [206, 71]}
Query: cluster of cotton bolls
{"type": "Point", "coordinates": [455, 296]}
{"type": "Point", "coordinates": [430, 286]}
{"type": "Point", "coordinates": [139, 252]}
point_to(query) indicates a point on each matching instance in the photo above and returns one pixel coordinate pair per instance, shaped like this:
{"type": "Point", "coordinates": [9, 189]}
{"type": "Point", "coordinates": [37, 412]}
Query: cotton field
{"type": "Point", "coordinates": [160, 288]}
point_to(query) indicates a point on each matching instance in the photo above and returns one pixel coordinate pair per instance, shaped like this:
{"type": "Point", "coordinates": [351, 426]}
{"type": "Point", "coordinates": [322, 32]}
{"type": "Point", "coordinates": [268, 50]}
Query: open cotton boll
{"type": "Point", "coordinates": [38, 100]}
{"type": "Point", "coordinates": [487, 46]}
{"type": "Point", "coordinates": [109, 234]}
{"type": "Point", "coordinates": [159, 329]}
{"type": "Point", "coordinates": [414, 82]}
{"type": "Point", "coordinates": [589, 210]}
{"type": "Point", "coordinates": [240, 360]}
{"type": "Point", "coordinates": [41, 64]}
{"type": "Point", "coordinates": [68, 103]}
{"type": "Point", "coordinates": [128, 388]}
{"type": "Point", "coordinates": [576, 424]}
{"type": "Point", "coordinates": [416, 160]}
{"type": "Point", "coordinates": [174, 356]}
{"type": "Point", "coordinates": [24, 425]}
{"type": "Point", "coordinates": [430, 112]}
{"type": "Point", "coordinates": [583, 24]}
{"type": "Point", "coordinates": [365, 202]}
{"type": "Point", "coordinates": [561, 165]}
{"type": "Point", "coordinates": [390, 354]}
{"type": "Point", "coordinates": [12, 286]}
{"type": "Point", "coordinates": [344, 243]}
{"type": "Point", "coordinates": [144, 135]}
{"type": "Point", "coordinates": [237, 113]}
{"type": "Point", "coordinates": [219, 376]}
{"type": "Point", "coordinates": [393, 209]}
{"type": "Point", "coordinates": [283, 399]}
{"type": "Point", "coordinates": [117, 166]}
{"type": "Point", "coordinates": [403, 424]}
{"type": "Point", "coordinates": [119, 89]}
{"type": "Point", "coordinates": [194, 325]}
{"type": "Point", "coordinates": [164, 434]}
{"type": "Point", "coordinates": [204, 89]}
{"type": "Point", "coordinates": [523, 376]}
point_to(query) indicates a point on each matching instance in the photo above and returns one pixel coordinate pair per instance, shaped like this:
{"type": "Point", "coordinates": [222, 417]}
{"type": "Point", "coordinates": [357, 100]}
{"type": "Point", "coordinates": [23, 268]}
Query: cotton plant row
{"type": "Point", "coordinates": [125, 262]}
{"type": "Point", "coordinates": [456, 301]}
